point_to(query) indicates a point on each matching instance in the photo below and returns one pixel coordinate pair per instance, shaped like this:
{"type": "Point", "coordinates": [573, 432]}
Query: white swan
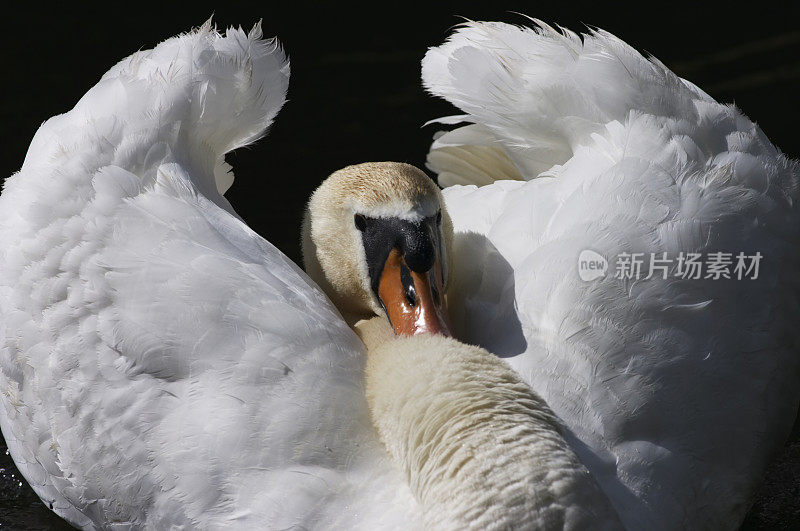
{"type": "Point", "coordinates": [163, 365]}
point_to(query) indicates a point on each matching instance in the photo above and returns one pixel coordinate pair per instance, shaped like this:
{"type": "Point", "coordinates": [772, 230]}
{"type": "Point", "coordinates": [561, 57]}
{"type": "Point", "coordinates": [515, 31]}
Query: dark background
{"type": "Point", "coordinates": [355, 94]}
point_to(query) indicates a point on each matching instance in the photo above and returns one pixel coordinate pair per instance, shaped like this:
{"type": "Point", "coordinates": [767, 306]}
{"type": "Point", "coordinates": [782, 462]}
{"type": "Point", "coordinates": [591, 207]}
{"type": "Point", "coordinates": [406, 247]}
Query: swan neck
{"type": "Point", "coordinates": [478, 447]}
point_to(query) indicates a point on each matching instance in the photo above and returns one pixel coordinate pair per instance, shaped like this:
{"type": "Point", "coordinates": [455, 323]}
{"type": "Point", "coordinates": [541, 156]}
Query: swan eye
{"type": "Point", "coordinates": [408, 286]}
{"type": "Point", "coordinates": [360, 222]}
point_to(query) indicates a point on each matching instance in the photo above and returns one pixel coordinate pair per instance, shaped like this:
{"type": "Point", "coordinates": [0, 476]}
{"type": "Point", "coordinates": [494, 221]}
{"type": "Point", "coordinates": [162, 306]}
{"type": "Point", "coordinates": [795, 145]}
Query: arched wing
{"type": "Point", "coordinates": [262, 379]}
{"type": "Point", "coordinates": [162, 364]}
{"type": "Point", "coordinates": [676, 390]}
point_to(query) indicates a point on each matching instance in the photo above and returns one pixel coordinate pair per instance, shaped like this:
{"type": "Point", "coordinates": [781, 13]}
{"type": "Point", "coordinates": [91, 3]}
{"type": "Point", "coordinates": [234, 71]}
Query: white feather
{"type": "Point", "coordinates": [162, 365]}
{"type": "Point", "coordinates": [676, 392]}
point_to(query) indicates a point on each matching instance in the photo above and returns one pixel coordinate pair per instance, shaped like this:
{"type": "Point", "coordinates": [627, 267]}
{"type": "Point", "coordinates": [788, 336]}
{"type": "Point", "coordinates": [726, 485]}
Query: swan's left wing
{"type": "Point", "coordinates": [602, 178]}
{"type": "Point", "coordinates": [162, 365]}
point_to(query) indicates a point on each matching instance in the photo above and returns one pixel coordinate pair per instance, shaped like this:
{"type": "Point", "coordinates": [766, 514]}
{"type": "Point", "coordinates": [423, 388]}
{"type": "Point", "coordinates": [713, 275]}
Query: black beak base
{"type": "Point", "coordinates": [419, 243]}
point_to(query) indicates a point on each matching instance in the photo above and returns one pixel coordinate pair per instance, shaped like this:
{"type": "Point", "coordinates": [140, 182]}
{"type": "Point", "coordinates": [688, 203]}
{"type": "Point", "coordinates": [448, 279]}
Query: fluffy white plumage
{"type": "Point", "coordinates": [676, 392]}
{"type": "Point", "coordinates": [163, 365]}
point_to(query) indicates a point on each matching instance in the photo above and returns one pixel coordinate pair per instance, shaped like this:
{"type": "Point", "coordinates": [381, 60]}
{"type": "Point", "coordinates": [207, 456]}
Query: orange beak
{"type": "Point", "coordinates": [414, 302]}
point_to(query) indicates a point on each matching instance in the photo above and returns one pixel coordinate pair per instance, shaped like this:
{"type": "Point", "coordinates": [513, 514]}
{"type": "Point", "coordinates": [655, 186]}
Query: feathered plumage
{"type": "Point", "coordinates": [676, 391]}
{"type": "Point", "coordinates": [163, 365]}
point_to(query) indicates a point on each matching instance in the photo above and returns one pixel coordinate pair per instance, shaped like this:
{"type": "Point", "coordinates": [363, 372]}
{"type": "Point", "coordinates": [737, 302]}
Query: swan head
{"type": "Point", "coordinates": [377, 239]}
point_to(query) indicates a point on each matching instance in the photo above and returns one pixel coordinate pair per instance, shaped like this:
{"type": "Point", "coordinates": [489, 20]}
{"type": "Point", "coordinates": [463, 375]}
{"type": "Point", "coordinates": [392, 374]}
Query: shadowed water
{"type": "Point", "coordinates": [20, 508]}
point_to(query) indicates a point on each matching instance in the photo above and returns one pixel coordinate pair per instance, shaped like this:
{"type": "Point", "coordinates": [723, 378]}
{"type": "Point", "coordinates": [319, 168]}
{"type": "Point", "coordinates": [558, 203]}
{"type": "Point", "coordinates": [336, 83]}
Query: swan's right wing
{"type": "Point", "coordinates": [676, 390]}
{"type": "Point", "coordinates": [162, 365]}
{"type": "Point", "coordinates": [264, 413]}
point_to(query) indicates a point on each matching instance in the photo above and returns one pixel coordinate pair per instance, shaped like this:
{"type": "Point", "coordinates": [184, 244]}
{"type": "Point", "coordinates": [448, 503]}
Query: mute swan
{"type": "Point", "coordinates": [163, 365]}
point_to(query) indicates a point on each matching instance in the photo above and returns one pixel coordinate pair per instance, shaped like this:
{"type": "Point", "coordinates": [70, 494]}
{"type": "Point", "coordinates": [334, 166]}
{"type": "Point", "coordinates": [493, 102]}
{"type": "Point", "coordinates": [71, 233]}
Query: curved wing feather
{"type": "Point", "coordinates": [676, 390]}
{"type": "Point", "coordinates": [162, 365]}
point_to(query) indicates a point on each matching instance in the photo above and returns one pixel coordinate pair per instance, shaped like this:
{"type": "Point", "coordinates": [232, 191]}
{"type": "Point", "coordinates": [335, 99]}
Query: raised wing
{"type": "Point", "coordinates": [676, 390]}
{"type": "Point", "coordinates": [162, 365]}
